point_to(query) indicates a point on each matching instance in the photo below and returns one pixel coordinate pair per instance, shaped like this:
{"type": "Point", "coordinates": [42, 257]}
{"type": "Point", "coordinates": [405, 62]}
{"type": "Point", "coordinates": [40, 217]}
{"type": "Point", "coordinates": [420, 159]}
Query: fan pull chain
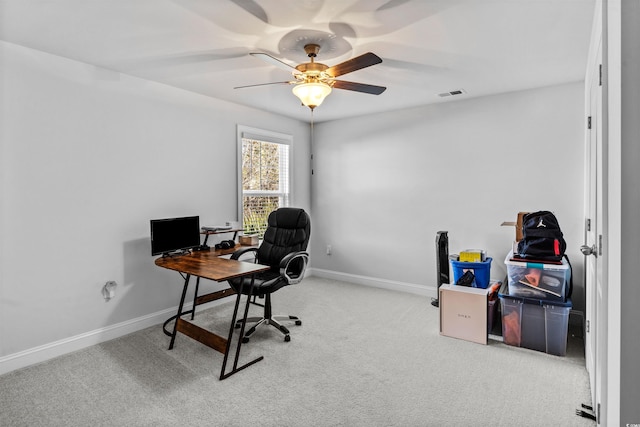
{"type": "Point", "coordinates": [311, 139]}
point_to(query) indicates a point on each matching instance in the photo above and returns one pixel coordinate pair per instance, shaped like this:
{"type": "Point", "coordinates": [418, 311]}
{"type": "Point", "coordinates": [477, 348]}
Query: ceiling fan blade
{"type": "Point", "coordinates": [253, 8]}
{"type": "Point", "coordinates": [359, 87]}
{"type": "Point", "coordinates": [363, 61]}
{"type": "Point", "coordinates": [273, 61]}
{"type": "Point", "coordinates": [264, 84]}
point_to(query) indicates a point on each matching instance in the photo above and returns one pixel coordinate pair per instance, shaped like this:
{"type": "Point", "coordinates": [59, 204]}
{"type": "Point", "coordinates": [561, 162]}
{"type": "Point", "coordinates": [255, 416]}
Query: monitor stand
{"type": "Point", "coordinates": [176, 253]}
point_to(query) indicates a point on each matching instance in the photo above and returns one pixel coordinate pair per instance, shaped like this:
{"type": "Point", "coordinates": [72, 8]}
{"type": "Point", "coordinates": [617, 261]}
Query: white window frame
{"type": "Point", "coordinates": [247, 132]}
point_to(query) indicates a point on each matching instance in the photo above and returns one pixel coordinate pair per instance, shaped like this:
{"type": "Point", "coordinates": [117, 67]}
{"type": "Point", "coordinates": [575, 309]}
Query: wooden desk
{"type": "Point", "coordinates": [208, 265]}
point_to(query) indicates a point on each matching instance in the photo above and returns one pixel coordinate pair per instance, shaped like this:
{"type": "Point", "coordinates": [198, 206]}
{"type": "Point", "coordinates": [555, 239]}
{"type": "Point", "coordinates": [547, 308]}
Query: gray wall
{"type": "Point", "coordinates": [384, 185]}
{"type": "Point", "coordinates": [88, 158]}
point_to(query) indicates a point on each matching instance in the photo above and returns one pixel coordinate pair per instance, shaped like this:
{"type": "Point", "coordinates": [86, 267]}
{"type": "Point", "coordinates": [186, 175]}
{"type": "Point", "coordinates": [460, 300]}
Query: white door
{"type": "Point", "coordinates": [596, 307]}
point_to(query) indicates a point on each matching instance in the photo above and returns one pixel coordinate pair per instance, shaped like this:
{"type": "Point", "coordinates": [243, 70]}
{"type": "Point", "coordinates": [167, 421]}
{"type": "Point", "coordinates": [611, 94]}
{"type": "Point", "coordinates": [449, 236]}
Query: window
{"type": "Point", "coordinates": [264, 173]}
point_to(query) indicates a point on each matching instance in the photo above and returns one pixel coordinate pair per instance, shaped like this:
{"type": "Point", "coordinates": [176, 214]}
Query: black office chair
{"type": "Point", "coordinates": [283, 248]}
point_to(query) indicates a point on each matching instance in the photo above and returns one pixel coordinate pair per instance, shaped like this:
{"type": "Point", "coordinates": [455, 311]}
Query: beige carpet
{"type": "Point", "coordinates": [362, 357]}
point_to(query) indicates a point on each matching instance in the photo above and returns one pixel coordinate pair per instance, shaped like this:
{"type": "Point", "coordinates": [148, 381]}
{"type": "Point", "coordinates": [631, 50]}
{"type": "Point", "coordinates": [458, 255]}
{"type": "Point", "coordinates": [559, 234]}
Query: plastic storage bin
{"type": "Point", "coordinates": [535, 324]}
{"type": "Point", "coordinates": [491, 314]}
{"type": "Point", "coordinates": [553, 277]}
{"type": "Point", "coordinates": [481, 271]}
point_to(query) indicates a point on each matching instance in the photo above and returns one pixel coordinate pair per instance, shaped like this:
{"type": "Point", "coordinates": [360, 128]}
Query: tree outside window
{"type": "Point", "coordinates": [265, 182]}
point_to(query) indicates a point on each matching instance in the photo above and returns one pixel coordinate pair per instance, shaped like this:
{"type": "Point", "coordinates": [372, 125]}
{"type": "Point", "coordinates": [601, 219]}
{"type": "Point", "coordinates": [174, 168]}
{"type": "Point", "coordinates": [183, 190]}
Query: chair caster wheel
{"type": "Point", "coordinates": [287, 338]}
{"type": "Point", "coordinates": [298, 322]}
{"type": "Point", "coordinates": [245, 340]}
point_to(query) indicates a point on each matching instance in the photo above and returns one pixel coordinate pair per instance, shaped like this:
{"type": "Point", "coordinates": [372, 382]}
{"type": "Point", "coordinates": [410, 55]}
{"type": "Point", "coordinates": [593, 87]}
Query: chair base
{"type": "Point", "coordinates": [273, 321]}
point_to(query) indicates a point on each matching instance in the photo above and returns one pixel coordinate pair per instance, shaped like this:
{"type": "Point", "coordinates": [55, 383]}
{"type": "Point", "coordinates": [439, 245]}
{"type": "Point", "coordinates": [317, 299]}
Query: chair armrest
{"type": "Point", "coordinates": [293, 266]}
{"type": "Point", "coordinates": [237, 254]}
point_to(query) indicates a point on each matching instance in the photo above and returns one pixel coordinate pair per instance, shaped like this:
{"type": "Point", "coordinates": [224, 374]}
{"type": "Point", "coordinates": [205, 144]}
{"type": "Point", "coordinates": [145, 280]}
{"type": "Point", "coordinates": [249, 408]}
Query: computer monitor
{"type": "Point", "coordinates": [171, 235]}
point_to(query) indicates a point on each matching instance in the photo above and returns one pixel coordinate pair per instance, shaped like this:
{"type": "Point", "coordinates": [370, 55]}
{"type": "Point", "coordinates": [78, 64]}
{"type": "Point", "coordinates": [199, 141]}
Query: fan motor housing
{"type": "Point", "coordinates": [313, 68]}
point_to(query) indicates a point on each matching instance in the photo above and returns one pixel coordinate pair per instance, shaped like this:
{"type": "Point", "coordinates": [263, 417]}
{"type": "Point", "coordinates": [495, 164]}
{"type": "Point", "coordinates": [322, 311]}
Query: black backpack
{"type": "Point", "coordinates": [542, 238]}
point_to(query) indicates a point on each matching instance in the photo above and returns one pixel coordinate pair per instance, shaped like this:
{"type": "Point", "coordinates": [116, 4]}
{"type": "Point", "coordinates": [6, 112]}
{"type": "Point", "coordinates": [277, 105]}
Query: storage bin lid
{"type": "Point", "coordinates": [468, 264]}
{"type": "Point", "coordinates": [504, 293]}
{"type": "Point", "coordinates": [528, 264]}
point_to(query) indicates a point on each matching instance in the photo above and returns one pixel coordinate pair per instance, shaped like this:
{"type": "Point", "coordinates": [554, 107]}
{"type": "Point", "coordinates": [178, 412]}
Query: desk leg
{"type": "Point", "coordinates": [195, 297]}
{"type": "Point", "coordinates": [175, 324]}
{"type": "Point", "coordinates": [231, 328]}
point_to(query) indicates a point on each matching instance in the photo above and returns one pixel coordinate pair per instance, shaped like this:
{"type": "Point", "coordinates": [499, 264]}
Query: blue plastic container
{"type": "Point", "coordinates": [481, 271]}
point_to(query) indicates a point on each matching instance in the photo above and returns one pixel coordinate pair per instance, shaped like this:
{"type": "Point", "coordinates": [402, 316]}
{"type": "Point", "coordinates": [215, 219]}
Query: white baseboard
{"type": "Point", "coordinates": [424, 290]}
{"type": "Point", "coordinates": [58, 348]}
{"type": "Point", "coordinates": [576, 316]}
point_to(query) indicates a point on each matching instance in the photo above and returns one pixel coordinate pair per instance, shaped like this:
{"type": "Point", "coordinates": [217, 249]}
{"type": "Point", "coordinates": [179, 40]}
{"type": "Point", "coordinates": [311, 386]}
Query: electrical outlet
{"type": "Point", "coordinates": [109, 290]}
{"type": "Point", "coordinates": [328, 249]}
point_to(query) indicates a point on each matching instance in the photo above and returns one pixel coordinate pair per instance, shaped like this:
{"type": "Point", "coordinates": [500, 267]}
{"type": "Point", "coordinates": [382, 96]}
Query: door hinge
{"type": "Point", "coordinates": [589, 122]}
{"type": "Point", "coordinates": [588, 224]}
{"type": "Point", "coordinates": [600, 83]}
{"type": "Point", "coordinates": [600, 244]}
{"type": "Point", "coordinates": [587, 324]}
{"type": "Point", "coordinates": [598, 414]}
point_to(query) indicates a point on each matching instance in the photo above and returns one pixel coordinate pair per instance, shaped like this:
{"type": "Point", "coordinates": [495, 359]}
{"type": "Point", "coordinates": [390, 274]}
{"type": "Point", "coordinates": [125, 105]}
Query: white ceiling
{"type": "Point", "coordinates": [427, 46]}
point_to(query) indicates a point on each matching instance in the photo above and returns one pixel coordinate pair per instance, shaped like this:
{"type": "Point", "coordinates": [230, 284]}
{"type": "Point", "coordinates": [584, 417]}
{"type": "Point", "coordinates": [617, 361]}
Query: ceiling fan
{"type": "Point", "coordinates": [314, 81]}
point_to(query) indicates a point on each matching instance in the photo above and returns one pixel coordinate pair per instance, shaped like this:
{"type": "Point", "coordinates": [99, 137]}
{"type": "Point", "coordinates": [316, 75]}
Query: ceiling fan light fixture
{"type": "Point", "coordinates": [312, 94]}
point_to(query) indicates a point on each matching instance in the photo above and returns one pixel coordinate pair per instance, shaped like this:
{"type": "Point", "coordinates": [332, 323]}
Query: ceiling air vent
{"type": "Point", "coordinates": [452, 93]}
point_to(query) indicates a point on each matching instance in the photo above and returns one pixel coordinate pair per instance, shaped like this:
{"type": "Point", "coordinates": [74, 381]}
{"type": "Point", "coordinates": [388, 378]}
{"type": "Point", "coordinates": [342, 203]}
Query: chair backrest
{"type": "Point", "coordinates": [288, 230]}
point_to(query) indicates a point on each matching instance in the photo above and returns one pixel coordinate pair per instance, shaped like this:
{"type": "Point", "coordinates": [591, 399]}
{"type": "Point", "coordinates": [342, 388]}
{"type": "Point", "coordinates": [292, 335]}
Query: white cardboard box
{"type": "Point", "coordinates": [463, 313]}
